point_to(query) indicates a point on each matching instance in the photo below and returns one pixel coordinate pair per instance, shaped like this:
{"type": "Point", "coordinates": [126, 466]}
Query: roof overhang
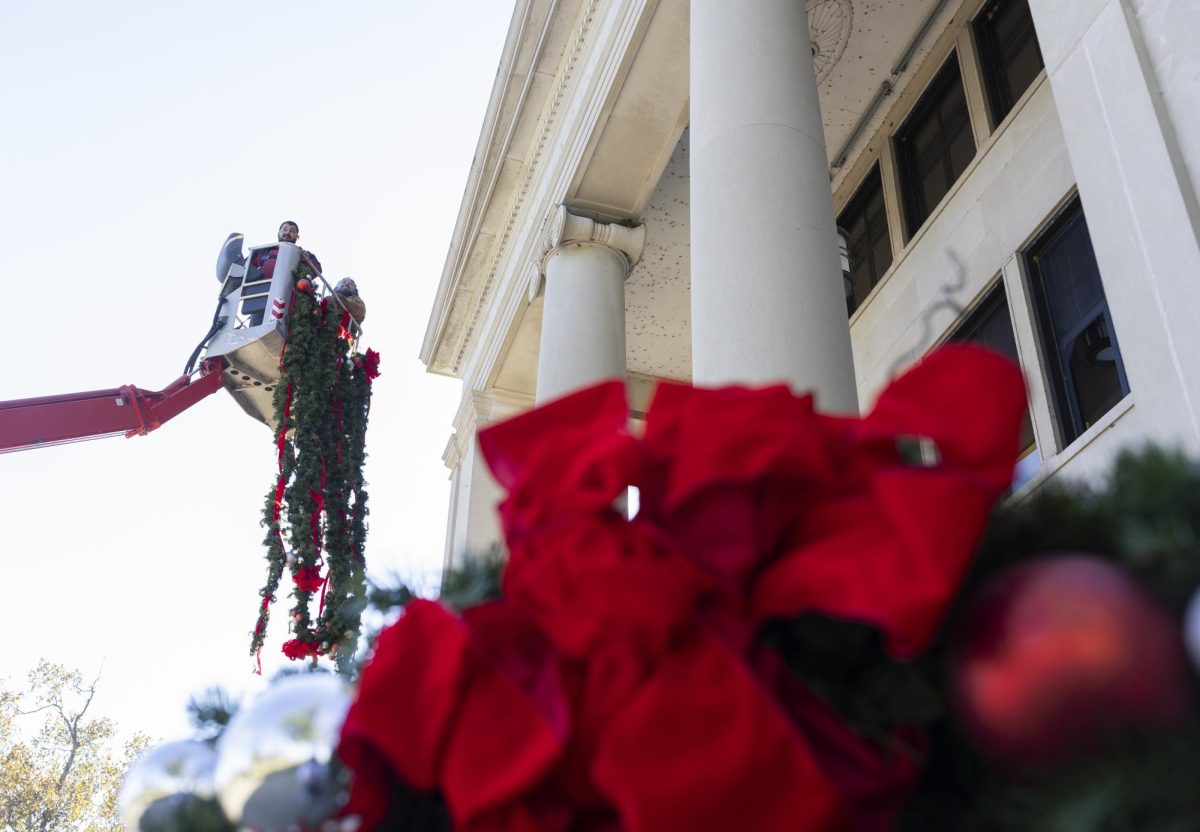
{"type": "Point", "coordinates": [589, 102]}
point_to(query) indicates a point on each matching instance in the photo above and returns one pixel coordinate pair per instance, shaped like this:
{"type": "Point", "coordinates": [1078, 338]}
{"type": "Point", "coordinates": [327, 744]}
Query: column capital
{"type": "Point", "coordinates": [476, 411]}
{"type": "Point", "coordinates": [562, 227]}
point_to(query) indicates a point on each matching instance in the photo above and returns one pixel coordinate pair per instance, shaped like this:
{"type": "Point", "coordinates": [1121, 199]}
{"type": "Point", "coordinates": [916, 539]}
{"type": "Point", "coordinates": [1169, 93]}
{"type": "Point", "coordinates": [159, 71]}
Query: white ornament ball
{"type": "Point", "coordinates": [1191, 629]}
{"type": "Point", "coordinates": [275, 760]}
{"type": "Point", "coordinates": [170, 788]}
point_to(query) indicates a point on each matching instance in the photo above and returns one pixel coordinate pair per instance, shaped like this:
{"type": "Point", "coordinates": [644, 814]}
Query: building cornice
{"type": "Point", "coordinates": [467, 329]}
{"type": "Point", "coordinates": [512, 95]}
{"type": "Point", "coordinates": [476, 411]}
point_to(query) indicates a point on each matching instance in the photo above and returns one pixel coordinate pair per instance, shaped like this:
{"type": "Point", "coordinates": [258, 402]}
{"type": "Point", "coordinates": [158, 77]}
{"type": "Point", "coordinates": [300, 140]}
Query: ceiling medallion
{"type": "Point", "coordinates": [829, 24]}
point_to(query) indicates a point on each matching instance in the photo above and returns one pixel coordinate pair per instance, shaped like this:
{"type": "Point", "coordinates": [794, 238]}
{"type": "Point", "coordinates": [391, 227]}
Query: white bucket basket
{"type": "Point", "coordinates": [252, 337]}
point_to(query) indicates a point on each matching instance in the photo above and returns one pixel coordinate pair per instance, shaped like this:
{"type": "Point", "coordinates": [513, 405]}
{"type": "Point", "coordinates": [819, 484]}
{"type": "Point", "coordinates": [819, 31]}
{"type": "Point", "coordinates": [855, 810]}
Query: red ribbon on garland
{"type": "Point", "coordinates": [618, 683]}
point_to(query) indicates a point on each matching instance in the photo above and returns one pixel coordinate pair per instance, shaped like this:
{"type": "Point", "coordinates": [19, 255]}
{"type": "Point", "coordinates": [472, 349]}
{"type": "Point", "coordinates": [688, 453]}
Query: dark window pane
{"type": "Point", "coordinates": [933, 188]}
{"type": "Point", "coordinates": [934, 146]}
{"type": "Point", "coordinates": [1009, 52]}
{"type": "Point", "coordinates": [256, 304]}
{"type": "Point", "coordinates": [253, 311]}
{"type": "Point", "coordinates": [952, 105]}
{"type": "Point", "coordinates": [962, 151]}
{"type": "Point", "coordinates": [1097, 384]}
{"type": "Point", "coordinates": [924, 140]}
{"type": "Point", "coordinates": [1087, 374]}
{"type": "Point", "coordinates": [860, 285]}
{"type": "Point", "coordinates": [1075, 293]}
{"type": "Point", "coordinates": [868, 246]}
{"type": "Point", "coordinates": [881, 254]}
{"type": "Point", "coordinates": [991, 326]}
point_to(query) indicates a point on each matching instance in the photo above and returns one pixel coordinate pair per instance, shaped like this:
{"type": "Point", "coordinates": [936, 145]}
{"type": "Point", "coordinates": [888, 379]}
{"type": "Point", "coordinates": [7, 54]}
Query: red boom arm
{"type": "Point", "coordinates": [53, 420]}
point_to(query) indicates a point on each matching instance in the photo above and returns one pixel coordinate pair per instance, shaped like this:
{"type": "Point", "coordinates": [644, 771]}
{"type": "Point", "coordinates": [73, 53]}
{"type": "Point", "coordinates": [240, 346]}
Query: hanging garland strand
{"type": "Point", "coordinates": [311, 373]}
{"type": "Point", "coordinates": [272, 510]}
{"type": "Point", "coordinates": [320, 407]}
{"type": "Point", "coordinates": [330, 623]}
{"type": "Point", "coordinates": [347, 511]}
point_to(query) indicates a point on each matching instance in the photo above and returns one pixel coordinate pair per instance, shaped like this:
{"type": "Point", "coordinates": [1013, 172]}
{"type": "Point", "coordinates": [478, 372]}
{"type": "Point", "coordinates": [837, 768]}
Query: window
{"type": "Point", "coordinates": [990, 325]}
{"type": "Point", "coordinates": [253, 311]}
{"type": "Point", "coordinates": [1009, 52]}
{"type": "Point", "coordinates": [934, 146]}
{"type": "Point", "coordinates": [1086, 373]}
{"type": "Point", "coordinates": [864, 226]}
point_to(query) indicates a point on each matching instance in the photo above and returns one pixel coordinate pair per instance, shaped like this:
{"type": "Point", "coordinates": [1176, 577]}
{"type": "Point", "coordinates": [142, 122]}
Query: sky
{"type": "Point", "coordinates": [134, 136]}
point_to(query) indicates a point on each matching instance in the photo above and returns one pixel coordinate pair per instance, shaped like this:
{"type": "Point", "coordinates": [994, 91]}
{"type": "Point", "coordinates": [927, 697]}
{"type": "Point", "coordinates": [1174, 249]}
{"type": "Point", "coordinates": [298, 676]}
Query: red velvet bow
{"type": "Point", "coordinates": [297, 649]}
{"type": "Point", "coordinates": [308, 579]}
{"type": "Point", "coordinates": [617, 687]}
{"type": "Point", "coordinates": [371, 364]}
{"type": "Point", "coordinates": [825, 514]}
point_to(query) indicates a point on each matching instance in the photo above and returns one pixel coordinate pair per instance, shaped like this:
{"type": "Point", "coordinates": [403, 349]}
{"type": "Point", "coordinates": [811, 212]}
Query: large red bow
{"type": "Point", "coordinates": [618, 685]}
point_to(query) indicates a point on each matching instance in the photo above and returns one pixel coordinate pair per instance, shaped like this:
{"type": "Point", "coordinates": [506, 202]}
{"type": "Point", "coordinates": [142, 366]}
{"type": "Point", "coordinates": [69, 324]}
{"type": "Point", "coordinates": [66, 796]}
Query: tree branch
{"type": "Point", "coordinates": [73, 727]}
{"type": "Point", "coordinates": [35, 710]}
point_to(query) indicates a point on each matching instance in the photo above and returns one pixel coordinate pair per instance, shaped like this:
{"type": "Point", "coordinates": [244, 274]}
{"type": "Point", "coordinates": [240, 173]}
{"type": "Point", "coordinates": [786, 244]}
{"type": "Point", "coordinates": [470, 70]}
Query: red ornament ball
{"type": "Point", "coordinates": [1058, 654]}
{"type": "Point", "coordinates": [304, 285]}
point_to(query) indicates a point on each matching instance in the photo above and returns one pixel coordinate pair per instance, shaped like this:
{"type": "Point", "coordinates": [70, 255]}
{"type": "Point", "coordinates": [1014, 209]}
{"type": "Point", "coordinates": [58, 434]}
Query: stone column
{"type": "Point", "coordinates": [767, 297]}
{"type": "Point", "coordinates": [583, 320]}
{"type": "Point", "coordinates": [473, 526]}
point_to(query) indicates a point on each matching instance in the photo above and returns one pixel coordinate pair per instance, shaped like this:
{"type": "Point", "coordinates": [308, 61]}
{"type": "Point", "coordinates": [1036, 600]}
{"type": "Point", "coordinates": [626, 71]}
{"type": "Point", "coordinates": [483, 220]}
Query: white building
{"type": "Point", "coordinates": [658, 184]}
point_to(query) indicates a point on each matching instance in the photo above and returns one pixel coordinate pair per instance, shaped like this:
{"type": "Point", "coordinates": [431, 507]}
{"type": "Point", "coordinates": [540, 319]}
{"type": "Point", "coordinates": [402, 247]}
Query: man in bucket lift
{"type": "Point", "coordinates": [347, 290]}
{"type": "Point", "coordinates": [264, 259]}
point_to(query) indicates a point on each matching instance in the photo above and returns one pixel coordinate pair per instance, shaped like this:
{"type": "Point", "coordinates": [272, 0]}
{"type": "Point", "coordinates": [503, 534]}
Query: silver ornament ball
{"type": "Point", "coordinates": [276, 769]}
{"type": "Point", "coordinates": [1191, 630]}
{"type": "Point", "coordinates": [170, 789]}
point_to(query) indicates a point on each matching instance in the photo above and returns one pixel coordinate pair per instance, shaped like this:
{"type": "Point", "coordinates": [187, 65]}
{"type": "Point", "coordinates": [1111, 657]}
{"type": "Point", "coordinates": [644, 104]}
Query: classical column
{"type": "Point", "coordinates": [473, 526]}
{"type": "Point", "coordinates": [583, 319]}
{"type": "Point", "coordinates": [767, 298]}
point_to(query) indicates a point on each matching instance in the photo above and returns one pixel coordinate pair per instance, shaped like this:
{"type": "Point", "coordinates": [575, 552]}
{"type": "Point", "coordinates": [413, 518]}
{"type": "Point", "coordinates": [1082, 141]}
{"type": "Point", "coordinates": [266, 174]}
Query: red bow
{"type": "Point", "coordinates": [618, 686]}
{"type": "Point", "coordinates": [308, 579]}
{"type": "Point", "coordinates": [371, 364]}
{"type": "Point", "coordinates": [297, 649]}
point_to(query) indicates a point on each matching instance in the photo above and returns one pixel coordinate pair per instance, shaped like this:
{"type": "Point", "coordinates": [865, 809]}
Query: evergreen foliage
{"type": "Point", "coordinates": [210, 711]}
{"type": "Point", "coordinates": [1144, 519]}
{"type": "Point", "coordinates": [320, 499]}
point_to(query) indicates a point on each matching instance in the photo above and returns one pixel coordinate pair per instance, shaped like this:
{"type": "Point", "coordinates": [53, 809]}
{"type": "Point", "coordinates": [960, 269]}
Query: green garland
{"type": "Point", "coordinates": [319, 501]}
{"type": "Point", "coordinates": [1146, 520]}
{"type": "Point", "coordinates": [346, 513]}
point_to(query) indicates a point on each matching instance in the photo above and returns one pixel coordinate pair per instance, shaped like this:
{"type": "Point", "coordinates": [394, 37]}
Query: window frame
{"type": "Point", "coordinates": [1063, 402]}
{"type": "Point", "coordinates": [991, 297]}
{"type": "Point", "coordinates": [868, 187]}
{"type": "Point", "coordinates": [910, 192]}
{"type": "Point", "coordinates": [991, 300]}
{"type": "Point", "coordinates": [993, 68]}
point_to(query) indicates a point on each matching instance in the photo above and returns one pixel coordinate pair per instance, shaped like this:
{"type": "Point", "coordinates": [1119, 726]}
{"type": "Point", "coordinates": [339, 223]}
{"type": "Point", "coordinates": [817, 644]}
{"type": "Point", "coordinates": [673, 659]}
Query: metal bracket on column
{"type": "Point", "coordinates": [563, 227]}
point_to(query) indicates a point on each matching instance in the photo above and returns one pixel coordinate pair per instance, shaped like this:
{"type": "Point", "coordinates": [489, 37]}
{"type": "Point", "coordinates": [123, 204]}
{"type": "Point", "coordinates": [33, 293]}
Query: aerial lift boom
{"type": "Point", "coordinates": [243, 351]}
{"type": "Point", "coordinates": [74, 417]}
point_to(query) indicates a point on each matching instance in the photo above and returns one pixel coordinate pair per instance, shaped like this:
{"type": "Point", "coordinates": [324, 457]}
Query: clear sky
{"type": "Point", "coordinates": [133, 137]}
